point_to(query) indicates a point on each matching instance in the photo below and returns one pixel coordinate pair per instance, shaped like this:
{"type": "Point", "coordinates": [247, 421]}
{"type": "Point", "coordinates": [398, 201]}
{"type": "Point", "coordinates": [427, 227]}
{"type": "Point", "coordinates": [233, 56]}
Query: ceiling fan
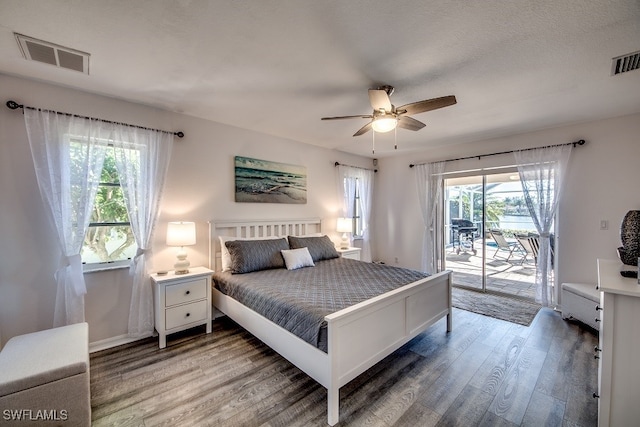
{"type": "Point", "coordinates": [386, 116]}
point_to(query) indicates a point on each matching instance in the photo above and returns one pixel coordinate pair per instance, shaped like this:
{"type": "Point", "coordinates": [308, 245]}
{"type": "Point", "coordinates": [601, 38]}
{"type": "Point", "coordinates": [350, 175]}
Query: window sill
{"type": "Point", "coordinates": [95, 268]}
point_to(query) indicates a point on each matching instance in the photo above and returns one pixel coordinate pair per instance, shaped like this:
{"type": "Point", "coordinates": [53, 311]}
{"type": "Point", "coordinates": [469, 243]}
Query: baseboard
{"type": "Point", "coordinates": [113, 342]}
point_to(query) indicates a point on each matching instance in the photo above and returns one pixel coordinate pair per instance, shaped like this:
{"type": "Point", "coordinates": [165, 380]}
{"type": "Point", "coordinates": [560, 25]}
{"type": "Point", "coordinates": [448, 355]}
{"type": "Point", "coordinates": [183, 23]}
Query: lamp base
{"type": "Point", "coordinates": [182, 264]}
{"type": "Point", "coordinates": [344, 244]}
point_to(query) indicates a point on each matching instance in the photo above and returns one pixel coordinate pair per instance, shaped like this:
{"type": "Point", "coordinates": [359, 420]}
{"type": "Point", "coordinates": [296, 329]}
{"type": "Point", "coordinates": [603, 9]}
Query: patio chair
{"type": "Point", "coordinates": [530, 243]}
{"type": "Point", "coordinates": [503, 244]}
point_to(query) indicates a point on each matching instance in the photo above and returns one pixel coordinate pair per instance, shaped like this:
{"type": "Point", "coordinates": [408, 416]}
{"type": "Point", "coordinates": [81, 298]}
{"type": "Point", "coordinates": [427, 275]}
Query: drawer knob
{"type": "Point", "coordinates": [596, 395]}
{"type": "Point", "coordinates": [595, 356]}
{"type": "Point", "coordinates": [597, 319]}
{"type": "Point", "coordinates": [188, 314]}
{"type": "Point", "coordinates": [598, 308]}
{"type": "Point", "coordinates": [187, 293]}
{"type": "Point", "coordinates": [596, 349]}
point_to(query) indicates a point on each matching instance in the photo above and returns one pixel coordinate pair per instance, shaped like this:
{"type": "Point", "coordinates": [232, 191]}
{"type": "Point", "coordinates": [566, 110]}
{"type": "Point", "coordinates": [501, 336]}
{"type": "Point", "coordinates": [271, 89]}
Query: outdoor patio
{"type": "Point", "coordinates": [513, 277]}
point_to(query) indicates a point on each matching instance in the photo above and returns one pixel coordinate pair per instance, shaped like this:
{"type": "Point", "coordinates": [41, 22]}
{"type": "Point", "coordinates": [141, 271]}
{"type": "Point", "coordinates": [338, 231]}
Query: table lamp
{"type": "Point", "coordinates": [344, 226]}
{"type": "Point", "coordinates": [181, 234]}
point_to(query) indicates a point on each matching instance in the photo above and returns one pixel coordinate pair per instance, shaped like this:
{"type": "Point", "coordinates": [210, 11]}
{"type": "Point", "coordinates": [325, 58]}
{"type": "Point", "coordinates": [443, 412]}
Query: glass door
{"type": "Point", "coordinates": [489, 235]}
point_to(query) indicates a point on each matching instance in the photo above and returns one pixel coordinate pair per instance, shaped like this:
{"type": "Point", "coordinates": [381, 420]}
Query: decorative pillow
{"type": "Point", "coordinates": [297, 258]}
{"type": "Point", "coordinates": [225, 257]}
{"type": "Point", "coordinates": [320, 248]}
{"type": "Point", "coordinates": [254, 255]}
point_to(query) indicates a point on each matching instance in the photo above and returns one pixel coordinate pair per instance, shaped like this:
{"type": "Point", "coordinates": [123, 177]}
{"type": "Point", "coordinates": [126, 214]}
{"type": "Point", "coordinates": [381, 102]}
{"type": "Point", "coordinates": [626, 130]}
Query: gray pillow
{"type": "Point", "coordinates": [320, 248]}
{"type": "Point", "coordinates": [254, 255]}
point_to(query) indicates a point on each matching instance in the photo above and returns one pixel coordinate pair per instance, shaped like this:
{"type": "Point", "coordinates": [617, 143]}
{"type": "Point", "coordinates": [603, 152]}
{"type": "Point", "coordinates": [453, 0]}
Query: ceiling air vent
{"type": "Point", "coordinates": [53, 54]}
{"type": "Point", "coordinates": [625, 63]}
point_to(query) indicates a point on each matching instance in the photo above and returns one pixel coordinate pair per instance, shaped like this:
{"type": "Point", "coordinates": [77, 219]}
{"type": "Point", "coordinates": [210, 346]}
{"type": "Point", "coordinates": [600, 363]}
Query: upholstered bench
{"type": "Point", "coordinates": [579, 302]}
{"type": "Point", "coordinates": [44, 378]}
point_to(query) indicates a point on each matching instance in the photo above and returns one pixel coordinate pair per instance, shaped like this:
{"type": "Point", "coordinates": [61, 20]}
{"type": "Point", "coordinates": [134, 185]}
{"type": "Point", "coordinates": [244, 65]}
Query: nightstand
{"type": "Point", "coordinates": [182, 301]}
{"type": "Point", "coordinates": [353, 253]}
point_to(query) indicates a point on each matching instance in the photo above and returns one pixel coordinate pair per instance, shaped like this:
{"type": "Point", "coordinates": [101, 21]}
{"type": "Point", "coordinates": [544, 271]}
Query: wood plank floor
{"type": "Point", "coordinates": [486, 372]}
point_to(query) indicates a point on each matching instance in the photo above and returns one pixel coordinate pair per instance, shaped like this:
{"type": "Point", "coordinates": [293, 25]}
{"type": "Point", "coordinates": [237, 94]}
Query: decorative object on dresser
{"type": "Point", "coordinates": [618, 348]}
{"type": "Point", "coordinates": [630, 237]}
{"type": "Point", "coordinates": [181, 301]}
{"type": "Point", "coordinates": [344, 226]}
{"type": "Point", "coordinates": [181, 234]}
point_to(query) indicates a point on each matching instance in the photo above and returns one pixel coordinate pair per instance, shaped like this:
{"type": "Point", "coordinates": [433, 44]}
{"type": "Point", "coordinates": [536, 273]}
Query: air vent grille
{"type": "Point", "coordinates": [625, 63]}
{"type": "Point", "coordinates": [53, 54]}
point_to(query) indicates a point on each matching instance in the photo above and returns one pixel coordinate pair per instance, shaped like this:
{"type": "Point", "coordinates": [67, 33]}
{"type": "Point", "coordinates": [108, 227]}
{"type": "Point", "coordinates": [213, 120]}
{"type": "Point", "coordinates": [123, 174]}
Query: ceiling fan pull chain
{"type": "Point", "coordinates": [395, 137]}
{"type": "Point", "coordinates": [373, 143]}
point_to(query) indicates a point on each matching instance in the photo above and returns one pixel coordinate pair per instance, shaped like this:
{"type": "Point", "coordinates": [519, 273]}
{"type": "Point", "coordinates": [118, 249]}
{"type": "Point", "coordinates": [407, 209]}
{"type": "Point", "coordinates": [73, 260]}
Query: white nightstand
{"type": "Point", "coordinates": [353, 253]}
{"type": "Point", "coordinates": [182, 301]}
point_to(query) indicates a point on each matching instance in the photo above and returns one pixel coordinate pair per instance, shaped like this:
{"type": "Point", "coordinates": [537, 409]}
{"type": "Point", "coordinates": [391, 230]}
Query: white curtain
{"type": "Point", "coordinates": [68, 189]}
{"type": "Point", "coordinates": [348, 178]}
{"type": "Point", "coordinates": [542, 172]}
{"type": "Point", "coordinates": [142, 158]}
{"type": "Point", "coordinates": [429, 182]}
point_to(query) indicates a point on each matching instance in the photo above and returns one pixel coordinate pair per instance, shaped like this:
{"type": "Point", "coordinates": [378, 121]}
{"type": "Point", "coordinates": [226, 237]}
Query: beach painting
{"type": "Point", "coordinates": [263, 181]}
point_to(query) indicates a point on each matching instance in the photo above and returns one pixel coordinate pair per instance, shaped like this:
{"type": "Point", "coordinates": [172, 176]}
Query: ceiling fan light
{"type": "Point", "coordinates": [384, 124]}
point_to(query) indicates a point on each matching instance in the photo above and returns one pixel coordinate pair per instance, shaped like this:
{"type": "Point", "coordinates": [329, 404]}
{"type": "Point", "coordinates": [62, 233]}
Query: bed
{"type": "Point", "coordinates": [345, 346]}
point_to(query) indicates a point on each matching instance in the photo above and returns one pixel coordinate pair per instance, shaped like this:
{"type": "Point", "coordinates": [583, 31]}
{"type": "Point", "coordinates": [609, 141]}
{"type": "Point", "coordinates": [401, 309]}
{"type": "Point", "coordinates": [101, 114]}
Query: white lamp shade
{"type": "Point", "coordinates": [384, 124]}
{"type": "Point", "coordinates": [181, 233]}
{"type": "Point", "coordinates": [344, 225]}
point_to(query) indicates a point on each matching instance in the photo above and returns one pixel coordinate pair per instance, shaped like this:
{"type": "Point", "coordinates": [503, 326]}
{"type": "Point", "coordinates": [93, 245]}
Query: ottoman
{"type": "Point", "coordinates": [44, 378]}
{"type": "Point", "coordinates": [579, 302]}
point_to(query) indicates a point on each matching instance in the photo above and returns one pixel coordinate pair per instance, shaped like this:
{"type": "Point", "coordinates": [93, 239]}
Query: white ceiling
{"type": "Point", "coordinates": [278, 66]}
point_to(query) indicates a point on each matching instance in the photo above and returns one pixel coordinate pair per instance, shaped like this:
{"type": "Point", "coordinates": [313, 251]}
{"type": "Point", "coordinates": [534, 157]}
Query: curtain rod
{"type": "Point", "coordinates": [579, 142]}
{"type": "Point", "coordinates": [336, 164]}
{"type": "Point", "coordinates": [14, 106]}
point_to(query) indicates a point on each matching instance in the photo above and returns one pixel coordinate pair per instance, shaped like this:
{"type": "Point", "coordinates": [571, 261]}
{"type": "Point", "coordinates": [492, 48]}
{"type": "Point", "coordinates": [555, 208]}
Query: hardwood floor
{"type": "Point", "coordinates": [486, 372]}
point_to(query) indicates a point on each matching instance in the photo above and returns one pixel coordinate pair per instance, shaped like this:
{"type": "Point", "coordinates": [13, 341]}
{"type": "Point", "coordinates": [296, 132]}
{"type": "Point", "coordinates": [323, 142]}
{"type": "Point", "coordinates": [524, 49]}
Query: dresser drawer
{"type": "Point", "coordinates": [186, 291]}
{"type": "Point", "coordinates": [185, 314]}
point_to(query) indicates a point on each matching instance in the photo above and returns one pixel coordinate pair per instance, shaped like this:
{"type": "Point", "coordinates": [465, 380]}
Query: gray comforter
{"type": "Point", "coordinates": [298, 300]}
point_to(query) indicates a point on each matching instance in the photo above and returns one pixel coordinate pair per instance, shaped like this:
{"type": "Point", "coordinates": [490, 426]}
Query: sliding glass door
{"type": "Point", "coordinates": [489, 235]}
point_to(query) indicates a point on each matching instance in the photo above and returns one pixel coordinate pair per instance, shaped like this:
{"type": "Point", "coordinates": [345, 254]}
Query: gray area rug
{"type": "Point", "coordinates": [504, 308]}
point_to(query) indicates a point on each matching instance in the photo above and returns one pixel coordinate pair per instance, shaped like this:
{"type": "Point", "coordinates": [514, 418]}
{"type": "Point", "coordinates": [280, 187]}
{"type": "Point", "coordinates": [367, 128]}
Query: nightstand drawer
{"type": "Point", "coordinates": [185, 292]}
{"type": "Point", "coordinates": [185, 314]}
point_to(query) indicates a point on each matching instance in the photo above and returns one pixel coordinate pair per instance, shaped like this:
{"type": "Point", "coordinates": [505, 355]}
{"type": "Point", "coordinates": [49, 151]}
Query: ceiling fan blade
{"type": "Point", "coordinates": [426, 105]}
{"type": "Point", "coordinates": [364, 129]}
{"type": "Point", "coordinates": [406, 122]}
{"type": "Point", "coordinates": [367, 116]}
{"type": "Point", "coordinates": [379, 99]}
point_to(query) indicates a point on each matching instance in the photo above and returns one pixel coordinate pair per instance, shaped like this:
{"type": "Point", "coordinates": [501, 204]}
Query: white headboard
{"type": "Point", "coordinates": [256, 228]}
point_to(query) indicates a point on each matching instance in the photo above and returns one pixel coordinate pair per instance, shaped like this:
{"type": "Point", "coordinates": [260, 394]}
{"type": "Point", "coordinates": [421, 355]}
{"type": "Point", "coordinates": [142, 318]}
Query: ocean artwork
{"type": "Point", "coordinates": [262, 181]}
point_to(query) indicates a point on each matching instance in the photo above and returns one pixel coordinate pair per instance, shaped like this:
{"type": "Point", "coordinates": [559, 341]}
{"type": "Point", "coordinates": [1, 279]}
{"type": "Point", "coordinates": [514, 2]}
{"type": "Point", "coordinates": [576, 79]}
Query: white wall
{"type": "Point", "coordinates": [200, 187]}
{"type": "Point", "coordinates": [603, 182]}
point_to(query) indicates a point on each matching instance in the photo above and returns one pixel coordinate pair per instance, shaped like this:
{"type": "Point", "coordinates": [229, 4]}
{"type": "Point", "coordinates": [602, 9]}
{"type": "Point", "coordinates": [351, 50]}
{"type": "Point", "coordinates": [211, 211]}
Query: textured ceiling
{"type": "Point", "coordinates": [277, 67]}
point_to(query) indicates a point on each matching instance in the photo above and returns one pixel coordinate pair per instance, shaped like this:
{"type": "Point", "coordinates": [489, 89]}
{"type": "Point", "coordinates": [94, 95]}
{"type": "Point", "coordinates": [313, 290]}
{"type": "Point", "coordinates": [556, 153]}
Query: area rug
{"type": "Point", "coordinates": [510, 309]}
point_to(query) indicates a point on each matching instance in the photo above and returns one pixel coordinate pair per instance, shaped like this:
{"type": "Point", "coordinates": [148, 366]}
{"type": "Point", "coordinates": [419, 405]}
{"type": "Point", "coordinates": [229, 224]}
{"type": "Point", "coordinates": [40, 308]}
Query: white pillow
{"type": "Point", "coordinates": [297, 258]}
{"type": "Point", "coordinates": [225, 256]}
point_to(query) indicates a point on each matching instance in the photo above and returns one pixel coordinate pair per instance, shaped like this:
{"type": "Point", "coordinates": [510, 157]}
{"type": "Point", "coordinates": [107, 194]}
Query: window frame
{"type": "Point", "coordinates": [89, 267]}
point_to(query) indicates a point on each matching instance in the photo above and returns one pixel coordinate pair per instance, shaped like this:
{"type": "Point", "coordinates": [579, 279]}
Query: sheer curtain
{"type": "Point", "coordinates": [68, 189]}
{"type": "Point", "coordinates": [348, 179]}
{"type": "Point", "coordinates": [542, 172]}
{"type": "Point", "coordinates": [429, 182]}
{"type": "Point", "coordinates": [142, 158]}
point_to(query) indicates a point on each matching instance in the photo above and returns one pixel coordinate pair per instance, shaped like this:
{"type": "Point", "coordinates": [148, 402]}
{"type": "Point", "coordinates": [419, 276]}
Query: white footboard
{"type": "Point", "coordinates": [362, 335]}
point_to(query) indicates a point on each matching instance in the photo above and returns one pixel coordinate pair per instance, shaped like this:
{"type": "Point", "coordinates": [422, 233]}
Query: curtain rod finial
{"type": "Point", "coordinates": [179, 134]}
{"type": "Point", "coordinates": [13, 105]}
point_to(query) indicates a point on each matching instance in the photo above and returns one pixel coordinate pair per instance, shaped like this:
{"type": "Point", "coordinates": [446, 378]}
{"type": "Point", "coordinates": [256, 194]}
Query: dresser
{"type": "Point", "coordinates": [181, 301]}
{"type": "Point", "coordinates": [619, 347]}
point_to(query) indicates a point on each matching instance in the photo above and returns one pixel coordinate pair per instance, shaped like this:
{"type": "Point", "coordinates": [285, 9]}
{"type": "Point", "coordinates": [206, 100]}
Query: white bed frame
{"type": "Point", "coordinates": [358, 336]}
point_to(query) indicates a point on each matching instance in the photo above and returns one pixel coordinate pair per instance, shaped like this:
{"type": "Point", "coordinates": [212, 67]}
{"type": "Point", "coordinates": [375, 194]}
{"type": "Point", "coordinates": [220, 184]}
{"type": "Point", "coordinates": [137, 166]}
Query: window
{"type": "Point", "coordinates": [109, 239]}
{"type": "Point", "coordinates": [357, 207]}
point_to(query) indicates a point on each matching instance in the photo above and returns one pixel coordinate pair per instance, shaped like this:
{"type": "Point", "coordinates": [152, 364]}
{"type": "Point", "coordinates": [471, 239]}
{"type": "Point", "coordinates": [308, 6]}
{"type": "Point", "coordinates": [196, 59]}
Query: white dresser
{"type": "Point", "coordinates": [619, 347]}
{"type": "Point", "coordinates": [182, 301]}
